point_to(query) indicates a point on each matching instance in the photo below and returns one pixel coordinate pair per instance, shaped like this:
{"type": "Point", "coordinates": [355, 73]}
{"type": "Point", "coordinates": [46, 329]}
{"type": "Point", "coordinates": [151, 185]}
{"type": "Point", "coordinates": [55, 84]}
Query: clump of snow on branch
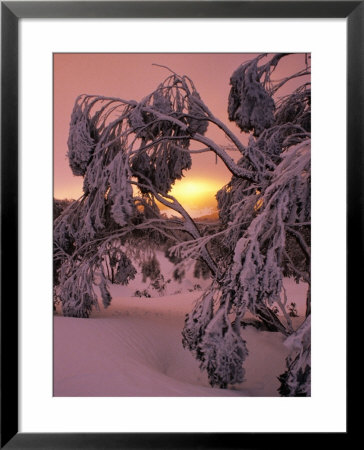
{"type": "Point", "coordinates": [223, 352]}
{"type": "Point", "coordinates": [296, 380]}
{"type": "Point", "coordinates": [250, 105]}
{"type": "Point", "coordinates": [120, 192]}
{"type": "Point", "coordinates": [77, 292]}
{"type": "Point", "coordinates": [82, 138]}
{"type": "Point", "coordinates": [197, 321]}
{"type": "Point", "coordinates": [216, 344]}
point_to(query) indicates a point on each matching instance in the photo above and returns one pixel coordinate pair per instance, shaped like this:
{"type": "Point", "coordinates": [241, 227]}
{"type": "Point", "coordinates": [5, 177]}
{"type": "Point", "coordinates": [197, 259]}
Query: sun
{"type": "Point", "coordinates": [197, 196]}
{"type": "Point", "coordinates": [192, 190]}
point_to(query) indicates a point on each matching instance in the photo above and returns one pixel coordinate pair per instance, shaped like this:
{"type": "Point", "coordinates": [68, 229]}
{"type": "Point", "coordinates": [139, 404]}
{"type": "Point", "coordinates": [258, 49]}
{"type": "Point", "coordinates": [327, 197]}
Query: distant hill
{"type": "Point", "coordinates": [60, 204]}
{"type": "Point", "coordinates": [213, 217]}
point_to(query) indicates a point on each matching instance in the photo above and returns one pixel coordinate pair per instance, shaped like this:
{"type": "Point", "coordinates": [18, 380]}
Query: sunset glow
{"type": "Point", "coordinates": [194, 190]}
{"type": "Point", "coordinates": [197, 195]}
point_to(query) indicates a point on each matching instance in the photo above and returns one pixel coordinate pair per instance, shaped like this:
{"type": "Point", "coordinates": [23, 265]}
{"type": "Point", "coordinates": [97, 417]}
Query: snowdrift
{"type": "Point", "coordinates": [133, 348]}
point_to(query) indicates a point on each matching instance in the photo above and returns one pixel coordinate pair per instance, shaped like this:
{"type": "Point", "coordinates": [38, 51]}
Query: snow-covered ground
{"type": "Point", "coordinates": [133, 348]}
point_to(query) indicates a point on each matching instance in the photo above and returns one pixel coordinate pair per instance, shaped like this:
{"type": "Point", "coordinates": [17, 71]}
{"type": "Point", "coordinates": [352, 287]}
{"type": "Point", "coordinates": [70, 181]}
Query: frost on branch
{"type": "Point", "coordinates": [223, 352]}
{"type": "Point", "coordinates": [196, 322]}
{"type": "Point", "coordinates": [120, 191]}
{"type": "Point", "coordinates": [296, 108]}
{"type": "Point", "coordinates": [196, 122]}
{"type": "Point", "coordinates": [296, 380]}
{"type": "Point", "coordinates": [250, 105]}
{"type": "Point", "coordinates": [215, 341]}
{"type": "Point", "coordinates": [82, 138]}
{"type": "Point", "coordinates": [89, 266]}
{"type": "Point", "coordinates": [77, 293]}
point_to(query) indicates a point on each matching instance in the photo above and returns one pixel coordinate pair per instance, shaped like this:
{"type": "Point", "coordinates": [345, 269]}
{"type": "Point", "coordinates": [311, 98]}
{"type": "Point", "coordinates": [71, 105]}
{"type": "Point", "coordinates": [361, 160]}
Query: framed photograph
{"type": "Point", "coordinates": [144, 111]}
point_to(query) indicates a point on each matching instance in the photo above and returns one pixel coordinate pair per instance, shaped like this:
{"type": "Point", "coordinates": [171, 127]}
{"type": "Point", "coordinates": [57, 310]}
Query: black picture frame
{"type": "Point", "coordinates": [11, 12]}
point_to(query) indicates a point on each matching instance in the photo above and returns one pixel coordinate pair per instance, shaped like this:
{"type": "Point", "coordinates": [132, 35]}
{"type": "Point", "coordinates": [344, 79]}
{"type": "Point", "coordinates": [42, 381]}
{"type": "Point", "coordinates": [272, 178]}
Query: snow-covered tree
{"type": "Point", "coordinates": [131, 153]}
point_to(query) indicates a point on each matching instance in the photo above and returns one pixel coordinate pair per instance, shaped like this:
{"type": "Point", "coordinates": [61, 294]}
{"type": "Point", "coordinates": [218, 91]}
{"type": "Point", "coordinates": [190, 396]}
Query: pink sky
{"type": "Point", "coordinates": [131, 77]}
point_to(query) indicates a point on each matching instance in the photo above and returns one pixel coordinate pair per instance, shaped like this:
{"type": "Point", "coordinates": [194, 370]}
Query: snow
{"type": "Point", "coordinates": [133, 348]}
